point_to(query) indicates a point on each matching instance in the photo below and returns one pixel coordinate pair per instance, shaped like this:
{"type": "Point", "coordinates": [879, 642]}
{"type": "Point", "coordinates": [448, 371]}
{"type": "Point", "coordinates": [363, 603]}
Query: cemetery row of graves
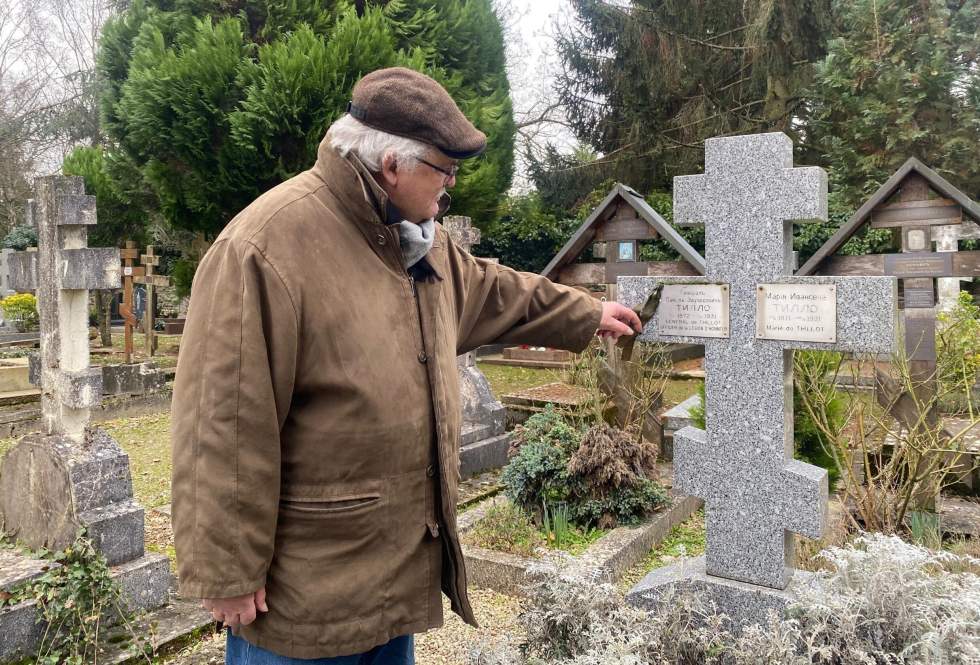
{"type": "Point", "coordinates": [782, 468]}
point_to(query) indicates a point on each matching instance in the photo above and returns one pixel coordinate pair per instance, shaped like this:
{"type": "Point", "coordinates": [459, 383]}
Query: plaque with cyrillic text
{"type": "Point", "coordinates": [694, 310]}
{"type": "Point", "coordinates": [797, 312]}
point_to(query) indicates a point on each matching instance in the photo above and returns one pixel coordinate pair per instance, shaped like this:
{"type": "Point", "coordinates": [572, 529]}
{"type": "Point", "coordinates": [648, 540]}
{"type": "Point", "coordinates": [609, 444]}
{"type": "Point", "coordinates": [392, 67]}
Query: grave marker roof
{"type": "Point", "coordinates": [912, 166]}
{"type": "Point", "coordinates": [587, 231]}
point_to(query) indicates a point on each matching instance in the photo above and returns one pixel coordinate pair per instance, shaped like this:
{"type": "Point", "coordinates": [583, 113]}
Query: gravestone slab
{"type": "Point", "coordinates": [71, 476]}
{"type": "Point", "coordinates": [484, 438]}
{"type": "Point", "coordinates": [756, 495]}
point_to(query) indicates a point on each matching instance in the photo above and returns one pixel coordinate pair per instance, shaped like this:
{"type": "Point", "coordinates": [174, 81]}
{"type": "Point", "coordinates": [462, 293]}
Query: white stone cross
{"type": "Point", "coordinates": [756, 495]}
{"type": "Point", "coordinates": [62, 271]}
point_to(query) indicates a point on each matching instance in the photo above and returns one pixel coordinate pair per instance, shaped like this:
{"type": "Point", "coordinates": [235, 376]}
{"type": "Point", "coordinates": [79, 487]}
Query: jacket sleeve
{"type": "Point", "coordinates": [234, 383]}
{"type": "Point", "coordinates": [495, 304]}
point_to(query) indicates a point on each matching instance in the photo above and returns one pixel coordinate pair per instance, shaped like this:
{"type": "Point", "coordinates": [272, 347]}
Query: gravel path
{"type": "Point", "coordinates": [449, 645]}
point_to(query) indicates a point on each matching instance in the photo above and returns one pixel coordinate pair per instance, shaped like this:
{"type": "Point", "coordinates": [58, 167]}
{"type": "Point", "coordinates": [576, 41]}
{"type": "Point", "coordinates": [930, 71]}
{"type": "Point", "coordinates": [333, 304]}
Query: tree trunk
{"type": "Point", "coordinates": [102, 307]}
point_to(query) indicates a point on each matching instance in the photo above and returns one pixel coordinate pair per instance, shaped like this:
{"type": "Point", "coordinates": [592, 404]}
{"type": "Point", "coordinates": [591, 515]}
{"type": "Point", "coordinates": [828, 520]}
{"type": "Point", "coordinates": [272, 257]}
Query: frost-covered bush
{"type": "Point", "coordinates": [885, 601]}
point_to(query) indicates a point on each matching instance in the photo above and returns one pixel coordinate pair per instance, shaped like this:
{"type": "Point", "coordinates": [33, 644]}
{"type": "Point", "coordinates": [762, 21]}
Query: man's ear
{"type": "Point", "coordinates": [389, 170]}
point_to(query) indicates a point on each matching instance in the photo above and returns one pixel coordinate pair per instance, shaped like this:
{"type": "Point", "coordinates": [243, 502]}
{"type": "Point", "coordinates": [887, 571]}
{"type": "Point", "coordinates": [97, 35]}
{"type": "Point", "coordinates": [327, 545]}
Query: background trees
{"type": "Point", "coordinates": [211, 103]}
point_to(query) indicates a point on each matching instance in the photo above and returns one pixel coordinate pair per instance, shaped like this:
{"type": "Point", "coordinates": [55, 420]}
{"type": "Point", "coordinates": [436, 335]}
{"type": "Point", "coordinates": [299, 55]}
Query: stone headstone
{"type": "Point", "coordinates": [72, 476]}
{"type": "Point", "coordinates": [750, 313]}
{"type": "Point", "coordinates": [484, 438]}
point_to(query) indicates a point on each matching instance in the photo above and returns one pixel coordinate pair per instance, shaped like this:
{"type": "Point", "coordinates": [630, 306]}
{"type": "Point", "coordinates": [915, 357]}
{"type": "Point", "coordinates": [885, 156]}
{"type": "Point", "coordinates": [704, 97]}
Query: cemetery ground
{"type": "Point", "coordinates": [146, 440]}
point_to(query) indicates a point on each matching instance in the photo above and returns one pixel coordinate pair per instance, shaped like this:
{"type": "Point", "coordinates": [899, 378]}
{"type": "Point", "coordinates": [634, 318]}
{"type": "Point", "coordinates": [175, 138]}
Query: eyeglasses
{"type": "Point", "coordinates": [449, 173]}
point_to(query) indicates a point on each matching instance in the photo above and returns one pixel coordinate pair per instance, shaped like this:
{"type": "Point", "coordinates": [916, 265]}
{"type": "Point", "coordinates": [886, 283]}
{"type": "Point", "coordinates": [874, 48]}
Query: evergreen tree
{"type": "Point", "coordinates": [211, 102]}
{"type": "Point", "coordinates": [901, 80]}
{"type": "Point", "coordinates": [645, 82]}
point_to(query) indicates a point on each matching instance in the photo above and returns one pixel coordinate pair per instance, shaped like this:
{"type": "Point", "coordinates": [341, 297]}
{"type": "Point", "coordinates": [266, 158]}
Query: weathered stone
{"type": "Point", "coordinates": [116, 530]}
{"type": "Point", "coordinates": [144, 584]}
{"type": "Point", "coordinates": [132, 379]}
{"type": "Point", "coordinates": [481, 411]}
{"type": "Point", "coordinates": [34, 369]}
{"type": "Point", "coordinates": [75, 209]}
{"type": "Point", "coordinates": [91, 268]}
{"type": "Point", "coordinates": [22, 270]}
{"type": "Point", "coordinates": [81, 389]}
{"type": "Point", "coordinates": [5, 288]}
{"type": "Point", "coordinates": [48, 483]}
{"type": "Point", "coordinates": [17, 569]}
{"type": "Point", "coordinates": [756, 495]}
{"type": "Point", "coordinates": [20, 632]}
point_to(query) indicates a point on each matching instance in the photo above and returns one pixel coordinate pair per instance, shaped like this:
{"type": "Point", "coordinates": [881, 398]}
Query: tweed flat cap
{"type": "Point", "coordinates": [406, 103]}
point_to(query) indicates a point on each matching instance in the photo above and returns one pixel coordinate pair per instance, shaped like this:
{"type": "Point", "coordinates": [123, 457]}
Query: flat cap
{"type": "Point", "coordinates": [406, 103]}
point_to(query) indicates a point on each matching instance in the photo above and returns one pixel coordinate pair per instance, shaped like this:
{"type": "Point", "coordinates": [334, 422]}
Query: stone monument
{"type": "Point", "coordinates": [750, 313]}
{"type": "Point", "coordinates": [71, 476]}
{"type": "Point", "coordinates": [484, 441]}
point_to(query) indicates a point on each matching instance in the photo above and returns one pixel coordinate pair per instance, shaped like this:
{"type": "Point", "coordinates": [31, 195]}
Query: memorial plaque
{"type": "Point", "coordinates": [798, 312]}
{"type": "Point", "coordinates": [698, 310]}
{"type": "Point", "coordinates": [924, 264]}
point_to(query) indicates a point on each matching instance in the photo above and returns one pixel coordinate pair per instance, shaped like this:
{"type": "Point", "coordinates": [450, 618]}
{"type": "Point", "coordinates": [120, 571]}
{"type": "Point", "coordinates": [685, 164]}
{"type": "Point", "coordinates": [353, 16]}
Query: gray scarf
{"type": "Point", "coordinates": [415, 239]}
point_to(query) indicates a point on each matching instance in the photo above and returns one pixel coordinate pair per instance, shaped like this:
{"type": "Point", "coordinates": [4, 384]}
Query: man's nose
{"type": "Point", "coordinates": [451, 182]}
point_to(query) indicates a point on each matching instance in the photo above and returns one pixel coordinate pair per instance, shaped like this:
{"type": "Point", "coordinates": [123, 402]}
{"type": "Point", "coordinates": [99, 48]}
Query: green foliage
{"type": "Point", "coordinates": [697, 412]}
{"type": "Point", "coordinates": [120, 217]}
{"type": "Point", "coordinates": [21, 237]}
{"type": "Point", "coordinates": [526, 236]}
{"type": "Point", "coordinates": [810, 443]}
{"type": "Point", "coordinates": [182, 277]}
{"type": "Point", "coordinates": [958, 351]}
{"type": "Point", "coordinates": [926, 530]}
{"type": "Point", "coordinates": [900, 79]}
{"type": "Point", "coordinates": [602, 474]}
{"type": "Point", "coordinates": [506, 528]}
{"type": "Point", "coordinates": [76, 600]}
{"type": "Point", "coordinates": [21, 308]}
{"type": "Point", "coordinates": [210, 104]}
{"type": "Point", "coordinates": [645, 82]}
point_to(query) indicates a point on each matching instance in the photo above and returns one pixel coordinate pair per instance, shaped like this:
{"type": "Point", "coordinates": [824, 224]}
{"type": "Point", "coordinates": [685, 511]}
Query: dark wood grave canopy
{"type": "Point", "coordinates": [622, 219]}
{"type": "Point", "coordinates": [916, 212]}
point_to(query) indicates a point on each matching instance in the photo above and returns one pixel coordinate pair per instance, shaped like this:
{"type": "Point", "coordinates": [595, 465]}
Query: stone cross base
{"type": "Point", "coordinates": [144, 585]}
{"type": "Point", "coordinates": [50, 487]}
{"type": "Point", "coordinates": [484, 441]}
{"type": "Point", "coordinates": [745, 604]}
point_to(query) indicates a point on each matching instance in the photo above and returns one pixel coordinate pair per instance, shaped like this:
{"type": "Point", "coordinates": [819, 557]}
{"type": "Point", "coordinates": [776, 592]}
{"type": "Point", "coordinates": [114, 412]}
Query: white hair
{"type": "Point", "coordinates": [371, 146]}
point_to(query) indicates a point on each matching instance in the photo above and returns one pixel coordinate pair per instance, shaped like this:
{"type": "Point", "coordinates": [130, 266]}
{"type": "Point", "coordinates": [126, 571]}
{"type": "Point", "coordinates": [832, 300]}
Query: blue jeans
{"type": "Point", "coordinates": [399, 651]}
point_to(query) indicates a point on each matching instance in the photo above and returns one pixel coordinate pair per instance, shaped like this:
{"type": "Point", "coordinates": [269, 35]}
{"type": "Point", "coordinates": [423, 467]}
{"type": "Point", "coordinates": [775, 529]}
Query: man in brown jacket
{"type": "Point", "coordinates": [316, 417]}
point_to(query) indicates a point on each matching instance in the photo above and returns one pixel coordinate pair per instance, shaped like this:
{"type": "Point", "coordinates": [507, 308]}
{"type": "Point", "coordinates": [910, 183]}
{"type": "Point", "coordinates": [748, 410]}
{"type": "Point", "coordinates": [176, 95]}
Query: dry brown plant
{"type": "Point", "coordinates": [893, 457]}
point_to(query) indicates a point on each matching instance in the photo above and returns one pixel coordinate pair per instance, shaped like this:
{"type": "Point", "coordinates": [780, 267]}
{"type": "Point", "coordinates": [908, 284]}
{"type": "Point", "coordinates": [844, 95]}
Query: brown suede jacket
{"type": "Point", "coordinates": [316, 417]}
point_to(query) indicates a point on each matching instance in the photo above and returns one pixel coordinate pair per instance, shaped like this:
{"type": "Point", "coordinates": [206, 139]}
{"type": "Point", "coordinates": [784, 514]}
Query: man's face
{"type": "Point", "coordinates": [416, 191]}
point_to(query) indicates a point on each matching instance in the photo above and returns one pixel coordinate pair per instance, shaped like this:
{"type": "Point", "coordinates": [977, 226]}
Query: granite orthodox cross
{"type": "Point", "coordinates": [750, 313]}
{"type": "Point", "coordinates": [62, 271]}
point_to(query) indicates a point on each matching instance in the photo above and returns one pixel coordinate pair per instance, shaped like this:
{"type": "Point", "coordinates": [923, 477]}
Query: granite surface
{"type": "Point", "coordinates": [756, 495]}
{"type": "Point", "coordinates": [745, 604]}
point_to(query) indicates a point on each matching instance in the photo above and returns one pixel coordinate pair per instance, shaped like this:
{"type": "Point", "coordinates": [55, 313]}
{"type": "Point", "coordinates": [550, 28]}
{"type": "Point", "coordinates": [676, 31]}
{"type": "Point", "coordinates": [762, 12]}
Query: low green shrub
{"type": "Point", "coordinates": [506, 528]}
{"type": "Point", "coordinates": [604, 475]}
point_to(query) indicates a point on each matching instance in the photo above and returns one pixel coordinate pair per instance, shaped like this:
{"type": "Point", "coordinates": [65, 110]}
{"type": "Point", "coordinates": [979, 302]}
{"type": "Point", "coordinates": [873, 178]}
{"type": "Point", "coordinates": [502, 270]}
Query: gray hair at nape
{"type": "Point", "coordinates": [371, 146]}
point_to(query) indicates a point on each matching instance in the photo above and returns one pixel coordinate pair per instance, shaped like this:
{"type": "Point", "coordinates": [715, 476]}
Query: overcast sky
{"type": "Point", "coordinates": [532, 63]}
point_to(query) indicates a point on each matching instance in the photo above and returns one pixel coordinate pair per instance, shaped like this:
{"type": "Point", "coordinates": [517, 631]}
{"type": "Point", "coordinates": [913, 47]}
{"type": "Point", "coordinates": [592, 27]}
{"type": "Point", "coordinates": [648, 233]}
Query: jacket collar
{"type": "Point", "coordinates": [352, 184]}
{"type": "Point", "coordinates": [365, 201]}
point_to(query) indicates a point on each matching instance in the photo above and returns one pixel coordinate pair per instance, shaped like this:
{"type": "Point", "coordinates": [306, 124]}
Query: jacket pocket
{"type": "Point", "coordinates": [327, 507]}
{"type": "Point", "coordinates": [329, 556]}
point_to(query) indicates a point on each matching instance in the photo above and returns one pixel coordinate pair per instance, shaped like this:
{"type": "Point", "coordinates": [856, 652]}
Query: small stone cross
{"type": "Point", "coordinates": [756, 495]}
{"type": "Point", "coordinates": [62, 271]}
{"type": "Point", "coordinates": [462, 231]}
